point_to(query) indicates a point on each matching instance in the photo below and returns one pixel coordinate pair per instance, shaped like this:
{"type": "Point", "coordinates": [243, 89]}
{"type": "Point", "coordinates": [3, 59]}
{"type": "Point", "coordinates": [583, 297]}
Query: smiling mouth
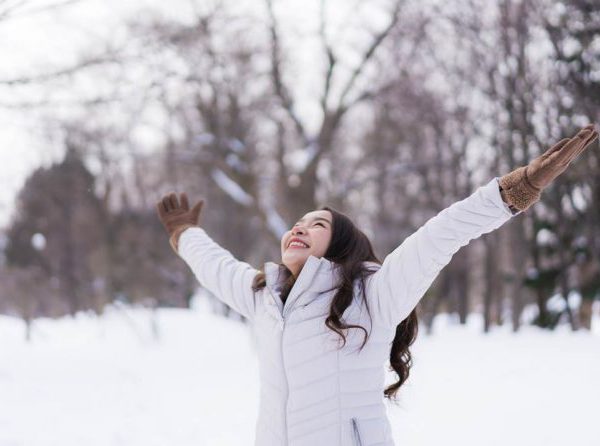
{"type": "Point", "coordinates": [297, 245]}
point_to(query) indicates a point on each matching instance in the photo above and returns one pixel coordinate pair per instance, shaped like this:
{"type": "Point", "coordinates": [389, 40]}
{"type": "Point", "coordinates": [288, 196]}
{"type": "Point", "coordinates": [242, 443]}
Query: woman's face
{"type": "Point", "coordinates": [314, 233]}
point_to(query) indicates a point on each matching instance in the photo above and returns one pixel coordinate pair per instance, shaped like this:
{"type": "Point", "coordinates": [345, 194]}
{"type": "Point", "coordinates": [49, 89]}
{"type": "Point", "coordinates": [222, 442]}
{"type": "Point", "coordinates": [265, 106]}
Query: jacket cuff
{"type": "Point", "coordinates": [175, 237]}
{"type": "Point", "coordinates": [497, 196]}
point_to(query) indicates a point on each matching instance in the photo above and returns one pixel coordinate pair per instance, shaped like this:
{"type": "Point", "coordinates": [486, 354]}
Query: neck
{"type": "Point", "coordinates": [295, 270]}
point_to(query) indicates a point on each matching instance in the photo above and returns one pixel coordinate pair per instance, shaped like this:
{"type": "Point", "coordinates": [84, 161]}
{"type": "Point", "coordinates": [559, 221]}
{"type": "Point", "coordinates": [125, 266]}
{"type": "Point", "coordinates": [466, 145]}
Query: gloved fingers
{"type": "Point", "coordinates": [196, 211]}
{"type": "Point", "coordinates": [160, 208]}
{"type": "Point", "coordinates": [574, 146]}
{"type": "Point", "coordinates": [184, 201]}
{"type": "Point", "coordinates": [581, 142]}
{"type": "Point", "coordinates": [173, 201]}
{"type": "Point", "coordinates": [166, 202]}
{"type": "Point", "coordinates": [590, 139]}
{"type": "Point", "coordinates": [556, 147]}
{"type": "Point", "coordinates": [591, 126]}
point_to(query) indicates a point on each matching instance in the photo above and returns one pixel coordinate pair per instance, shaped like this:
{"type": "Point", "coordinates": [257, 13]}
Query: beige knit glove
{"type": "Point", "coordinates": [177, 216]}
{"type": "Point", "coordinates": [523, 186]}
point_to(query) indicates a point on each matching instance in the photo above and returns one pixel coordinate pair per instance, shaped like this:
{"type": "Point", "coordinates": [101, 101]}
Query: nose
{"type": "Point", "coordinates": [298, 230]}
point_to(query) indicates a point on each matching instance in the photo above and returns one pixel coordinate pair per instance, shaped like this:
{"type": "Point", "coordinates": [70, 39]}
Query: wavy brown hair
{"type": "Point", "coordinates": [349, 248]}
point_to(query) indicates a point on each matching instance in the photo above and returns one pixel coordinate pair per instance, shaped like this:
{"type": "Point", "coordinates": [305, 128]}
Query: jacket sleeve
{"type": "Point", "coordinates": [217, 270]}
{"type": "Point", "coordinates": [394, 290]}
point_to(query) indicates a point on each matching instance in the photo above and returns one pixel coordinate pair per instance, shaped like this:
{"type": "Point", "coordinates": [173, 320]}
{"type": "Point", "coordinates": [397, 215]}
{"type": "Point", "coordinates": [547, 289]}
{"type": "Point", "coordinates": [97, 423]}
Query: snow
{"type": "Point", "coordinates": [275, 222]}
{"type": "Point", "coordinates": [204, 138]}
{"type": "Point", "coordinates": [298, 160]}
{"type": "Point", "coordinates": [231, 187]}
{"type": "Point", "coordinates": [236, 145]}
{"type": "Point", "coordinates": [108, 381]}
{"type": "Point", "coordinates": [38, 241]}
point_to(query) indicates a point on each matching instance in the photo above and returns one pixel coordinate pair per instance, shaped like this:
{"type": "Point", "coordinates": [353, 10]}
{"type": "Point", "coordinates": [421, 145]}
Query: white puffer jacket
{"type": "Point", "coordinates": [313, 393]}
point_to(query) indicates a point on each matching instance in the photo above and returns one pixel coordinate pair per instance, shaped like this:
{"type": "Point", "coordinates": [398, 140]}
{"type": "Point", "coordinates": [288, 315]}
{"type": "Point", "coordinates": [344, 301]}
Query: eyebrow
{"type": "Point", "coordinates": [315, 219]}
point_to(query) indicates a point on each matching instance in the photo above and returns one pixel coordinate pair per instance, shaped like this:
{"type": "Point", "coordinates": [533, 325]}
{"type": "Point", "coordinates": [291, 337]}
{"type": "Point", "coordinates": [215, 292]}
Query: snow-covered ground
{"type": "Point", "coordinates": [88, 381]}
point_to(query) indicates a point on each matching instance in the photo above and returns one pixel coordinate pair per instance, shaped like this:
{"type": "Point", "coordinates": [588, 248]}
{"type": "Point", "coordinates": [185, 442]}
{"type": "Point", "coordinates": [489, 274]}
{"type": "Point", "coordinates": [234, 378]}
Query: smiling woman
{"type": "Point", "coordinates": [309, 236]}
{"type": "Point", "coordinates": [322, 383]}
{"type": "Point", "coordinates": [331, 234]}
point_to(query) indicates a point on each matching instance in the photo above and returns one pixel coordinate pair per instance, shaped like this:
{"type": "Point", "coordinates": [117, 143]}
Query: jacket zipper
{"type": "Point", "coordinates": [356, 432]}
{"type": "Point", "coordinates": [286, 384]}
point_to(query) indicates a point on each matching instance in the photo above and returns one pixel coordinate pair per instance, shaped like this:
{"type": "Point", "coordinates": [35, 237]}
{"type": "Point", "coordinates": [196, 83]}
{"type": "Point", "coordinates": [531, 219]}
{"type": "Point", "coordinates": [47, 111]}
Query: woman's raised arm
{"type": "Point", "coordinates": [408, 271]}
{"type": "Point", "coordinates": [229, 279]}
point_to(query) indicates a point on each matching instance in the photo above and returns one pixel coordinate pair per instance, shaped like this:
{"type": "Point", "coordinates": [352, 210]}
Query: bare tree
{"type": "Point", "coordinates": [27, 292]}
{"type": "Point", "coordinates": [55, 206]}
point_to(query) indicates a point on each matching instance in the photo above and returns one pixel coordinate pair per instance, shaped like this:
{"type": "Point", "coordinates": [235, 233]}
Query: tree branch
{"type": "Point", "coordinates": [330, 58]}
{"type": "Point", "coordinates": [379, 38]}
{"type": "Point", "coordinates": [280, 89]}
{"type": "Point", "coordinates": [12, 11]}
{"type": "Point", "coordinates": [60, 73]}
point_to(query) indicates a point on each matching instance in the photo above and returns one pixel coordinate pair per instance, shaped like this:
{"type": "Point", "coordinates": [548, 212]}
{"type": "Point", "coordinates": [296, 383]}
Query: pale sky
{"type": "Point", "coordinates": [43, 41]}
{"type": "Point", "coordinates": [33, 42]}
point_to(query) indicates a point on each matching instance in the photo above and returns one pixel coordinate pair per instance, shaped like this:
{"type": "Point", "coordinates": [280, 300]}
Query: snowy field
{"type": "Point", "coordinates": [88, 381]}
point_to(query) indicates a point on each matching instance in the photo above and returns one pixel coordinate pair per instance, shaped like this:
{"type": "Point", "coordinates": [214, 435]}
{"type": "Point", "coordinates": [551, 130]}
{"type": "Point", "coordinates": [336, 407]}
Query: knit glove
{"type": "Point", "coordinates": [176, 217]}
{"type": "Point", "coordinates": [523, 186]}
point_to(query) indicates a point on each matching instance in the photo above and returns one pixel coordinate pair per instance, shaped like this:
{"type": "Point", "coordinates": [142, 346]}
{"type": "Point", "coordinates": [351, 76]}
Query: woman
{"type": "Point", "coordinates": [324, 317]}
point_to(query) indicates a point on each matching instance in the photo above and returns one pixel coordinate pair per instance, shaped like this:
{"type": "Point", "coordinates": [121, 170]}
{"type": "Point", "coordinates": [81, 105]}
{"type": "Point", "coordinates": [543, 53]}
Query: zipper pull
{"type": "Point", "coordinates": [356, 432]}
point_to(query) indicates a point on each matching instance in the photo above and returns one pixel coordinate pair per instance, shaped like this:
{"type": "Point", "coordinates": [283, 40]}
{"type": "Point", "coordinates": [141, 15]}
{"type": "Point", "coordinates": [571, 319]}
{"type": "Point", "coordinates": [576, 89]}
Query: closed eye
{"type": "Point", "coordinates": [317, 223]}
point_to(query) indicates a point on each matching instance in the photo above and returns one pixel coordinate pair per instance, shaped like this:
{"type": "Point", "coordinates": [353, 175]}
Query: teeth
{"type": "Point", "coordinates": [302, 245]}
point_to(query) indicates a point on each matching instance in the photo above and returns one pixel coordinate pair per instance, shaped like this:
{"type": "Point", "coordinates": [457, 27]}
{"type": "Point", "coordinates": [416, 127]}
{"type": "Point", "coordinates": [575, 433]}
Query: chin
{"type": "Point", "coordinates": [296, 255]}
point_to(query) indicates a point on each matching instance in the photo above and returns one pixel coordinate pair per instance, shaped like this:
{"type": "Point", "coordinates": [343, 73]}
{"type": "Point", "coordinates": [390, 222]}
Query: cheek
{"type": "Point", "coordinates": [284, 239]}
{"type": "Point", "coordinates": [322, 243]}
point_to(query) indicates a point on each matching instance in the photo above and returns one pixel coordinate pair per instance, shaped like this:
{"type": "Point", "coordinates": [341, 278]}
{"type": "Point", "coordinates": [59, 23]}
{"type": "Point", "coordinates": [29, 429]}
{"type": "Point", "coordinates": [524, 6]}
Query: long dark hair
{"type": "Point", "coordinates": [349, 248]}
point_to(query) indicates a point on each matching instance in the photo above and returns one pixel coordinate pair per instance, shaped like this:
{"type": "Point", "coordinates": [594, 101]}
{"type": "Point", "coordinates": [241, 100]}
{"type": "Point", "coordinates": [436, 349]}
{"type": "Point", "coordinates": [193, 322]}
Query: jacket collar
{"type": "Point", "coordinates": [318, 274]}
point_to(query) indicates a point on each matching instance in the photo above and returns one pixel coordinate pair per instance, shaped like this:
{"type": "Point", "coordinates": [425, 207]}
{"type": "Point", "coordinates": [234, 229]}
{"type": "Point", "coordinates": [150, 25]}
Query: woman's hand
{"type": "Point", "coordinates": [177, 216]}
{"type": "Point", "coordinates": [522, 187]}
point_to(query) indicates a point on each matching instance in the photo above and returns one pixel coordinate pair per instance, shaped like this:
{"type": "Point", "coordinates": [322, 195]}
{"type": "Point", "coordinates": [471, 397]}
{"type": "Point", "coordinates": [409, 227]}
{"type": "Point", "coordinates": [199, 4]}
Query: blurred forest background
{"type": "Point", "coordinates": [412, 105]}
